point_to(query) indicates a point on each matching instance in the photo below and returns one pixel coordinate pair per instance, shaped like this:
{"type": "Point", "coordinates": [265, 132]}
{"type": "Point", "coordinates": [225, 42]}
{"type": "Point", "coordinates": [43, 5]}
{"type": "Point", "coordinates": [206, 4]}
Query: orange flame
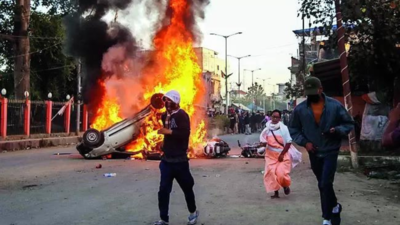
{"type": "Point", "coordinates": [176, 69]}
{"type": "Point", "coordinates": [107, 114]}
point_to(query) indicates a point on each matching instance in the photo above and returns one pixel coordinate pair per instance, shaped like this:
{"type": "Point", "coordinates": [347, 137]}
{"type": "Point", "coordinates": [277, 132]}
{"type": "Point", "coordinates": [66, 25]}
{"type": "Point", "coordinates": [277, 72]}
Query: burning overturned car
{"type": "Point", "coordinates": [115, 140]}
{"type": "Point", "coordinates": [112, 140]}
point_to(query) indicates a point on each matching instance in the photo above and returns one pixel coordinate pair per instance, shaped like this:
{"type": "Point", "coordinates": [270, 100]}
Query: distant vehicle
{"type": "Point", "coordinates": [112, 140]}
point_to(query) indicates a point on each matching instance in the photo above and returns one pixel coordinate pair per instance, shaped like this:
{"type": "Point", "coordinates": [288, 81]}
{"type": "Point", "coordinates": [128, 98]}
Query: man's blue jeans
{"type": "Point", "coordinates": [324, 168]}
{"type": "Point", "coordinates": [181, 172]}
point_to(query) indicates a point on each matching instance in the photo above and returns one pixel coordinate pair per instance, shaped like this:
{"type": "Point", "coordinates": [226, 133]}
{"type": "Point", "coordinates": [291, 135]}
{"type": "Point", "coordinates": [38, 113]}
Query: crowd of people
{"type": "Point", "coordinates": [244, 122]}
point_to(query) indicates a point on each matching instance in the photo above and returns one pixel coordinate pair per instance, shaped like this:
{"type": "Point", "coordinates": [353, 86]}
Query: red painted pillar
{"type": "Point", "coordinates": [67, 118]}
{"type": "Point", "coordinates": [3, 115]}
{"type": "Point", "coordinates": [85, 118]}
{"type": "Point", "coordinates": [27, 114]}
{"type": "Point", "coordinates": [346, 81]}
{"type": "Point", "coordinates": [49, 110]}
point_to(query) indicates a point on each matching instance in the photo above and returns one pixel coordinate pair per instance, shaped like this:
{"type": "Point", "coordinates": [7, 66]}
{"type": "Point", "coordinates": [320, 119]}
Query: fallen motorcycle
{"type": "Point", "coordinates": [216, 148]}
{"type": "Point", "coordinates": [252, 150]}
{"type": "Point", "coordinates": [112, 140]}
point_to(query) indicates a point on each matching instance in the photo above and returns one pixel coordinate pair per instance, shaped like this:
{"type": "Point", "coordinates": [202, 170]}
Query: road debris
{"type": "Point", "coordinates": [110, 175]}
{"type": "Point", "coordinates": [99, 166]}
{"type": "Point", "coordinates": [62, 153]}
{"type": "Point", "coordinates": [29, 186]}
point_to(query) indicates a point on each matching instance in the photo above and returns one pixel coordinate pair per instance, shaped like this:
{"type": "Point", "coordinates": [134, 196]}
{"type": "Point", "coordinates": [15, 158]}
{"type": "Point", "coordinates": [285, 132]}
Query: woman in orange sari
{"type": "Point", "coordinates": [278, 163]}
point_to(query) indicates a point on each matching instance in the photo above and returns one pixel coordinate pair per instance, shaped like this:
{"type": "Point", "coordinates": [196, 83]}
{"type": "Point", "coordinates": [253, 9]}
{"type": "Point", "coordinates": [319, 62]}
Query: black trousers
{"type": "Point", "coordinates": [324, 169]}
{"type": "Point", "coordinates": [180, 172]}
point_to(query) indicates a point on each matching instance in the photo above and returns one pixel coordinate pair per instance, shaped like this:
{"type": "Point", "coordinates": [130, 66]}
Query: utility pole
{"type": "Point", "coordinates": [252, 75]}
{"type": "Point", "coordinates": [79, 80]}
{"type": "Point", "coordinates": [239, 83]}
{"type": "Point", "coordinates": [226, 75]}
{"type": "Point", "coordinates": [346, 82]}
{"type": "Point", "coordinates": [79, 95]}
{"type": "Point", "coordinates": [303, 45]}
{"type": "Point", "coordinates": [265, 90]}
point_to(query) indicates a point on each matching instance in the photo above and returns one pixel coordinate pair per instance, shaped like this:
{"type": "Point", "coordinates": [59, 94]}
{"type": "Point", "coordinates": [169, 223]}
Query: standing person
{"type": "Point", "coordinates": [278, 163]}
{"type": "Point", "coordinates": [232, 120]}
{"type": "Point", "coordinates": [253, 121]}
{"type": "Point", "coordinates": [241, 123]}
{"type": "Point", "coordinates": [236, 123]}
{"type": "Point", "coordinates": [318, 124]}
{"type": "Point", "coordinates": [247, 123]}
{"type": "Point", "coordinates": [174, 162]}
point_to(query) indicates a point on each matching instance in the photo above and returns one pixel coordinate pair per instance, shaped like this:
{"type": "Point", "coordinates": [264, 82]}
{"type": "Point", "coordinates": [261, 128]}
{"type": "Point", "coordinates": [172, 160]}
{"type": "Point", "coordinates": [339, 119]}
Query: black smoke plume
{"type": "Point", "coordinates": [88, 38]}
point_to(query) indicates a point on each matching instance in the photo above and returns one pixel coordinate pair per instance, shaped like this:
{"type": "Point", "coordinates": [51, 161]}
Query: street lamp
{"type": "Point", "coordinates": [226, 65]}
{"type": "Point", "coordinates": [252, 75]}
{"type": "Point", "coordinates": [265, 90]}
{"type": "Point", "coordinates": [239, 83]}
{"type": "Point", "coordinates": [50, 95]}
{"type": "Point", "coordinates": [3, 92]}
{"type": "Point", "coordinates": [26, 94]}
{"type": "Point", "coordinates": [68, 97]}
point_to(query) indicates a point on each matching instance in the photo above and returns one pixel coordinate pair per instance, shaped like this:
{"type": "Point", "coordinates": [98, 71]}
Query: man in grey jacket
{"type": "Point", "coordinates": [319, 124]}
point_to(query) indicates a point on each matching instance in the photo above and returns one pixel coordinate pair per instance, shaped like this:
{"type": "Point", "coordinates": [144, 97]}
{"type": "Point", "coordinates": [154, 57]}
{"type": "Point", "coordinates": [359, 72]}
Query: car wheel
{"type": "Point", "coordinates": [92, 138]}
{"type": "Point", "coordinates": [157, 101]}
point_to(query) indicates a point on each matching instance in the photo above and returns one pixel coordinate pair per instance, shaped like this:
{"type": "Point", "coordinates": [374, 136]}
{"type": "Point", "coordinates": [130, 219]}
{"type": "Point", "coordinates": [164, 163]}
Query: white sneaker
{"type": "Point", "coordinates": [326, 222]}
{"type": "Point", "coordinates": [192, 219]}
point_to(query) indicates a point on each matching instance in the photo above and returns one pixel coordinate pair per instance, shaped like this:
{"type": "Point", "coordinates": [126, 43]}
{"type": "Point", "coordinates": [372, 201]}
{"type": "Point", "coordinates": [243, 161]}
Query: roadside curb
{"type": "Point", "coordinates": [370, 161]}
{"type": "Point", "coordinates": [26, 144]}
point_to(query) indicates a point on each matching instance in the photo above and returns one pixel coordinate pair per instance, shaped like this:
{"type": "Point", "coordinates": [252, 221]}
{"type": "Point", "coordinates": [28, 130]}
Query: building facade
{"type": "Point", "coordinates": [212, 66]}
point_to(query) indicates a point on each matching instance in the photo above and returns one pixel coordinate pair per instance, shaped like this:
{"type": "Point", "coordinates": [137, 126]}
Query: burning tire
{"type": "Point", "coordinates": [92, 138]}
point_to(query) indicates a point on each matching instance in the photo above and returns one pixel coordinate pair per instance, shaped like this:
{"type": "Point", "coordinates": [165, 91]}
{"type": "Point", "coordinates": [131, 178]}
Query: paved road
{"type": "Point", "coordinates": [229, 191]}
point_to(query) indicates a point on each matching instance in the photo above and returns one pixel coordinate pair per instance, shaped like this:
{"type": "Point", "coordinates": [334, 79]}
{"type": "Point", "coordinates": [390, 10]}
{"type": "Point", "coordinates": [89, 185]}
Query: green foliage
{"type": "Point", "coordinates": [51, 70]}
{"type": "Point", "coordinates": [373, 58]}
{"type": "Point", "coordinates": [255, 92]}
{"type": "Point", "coordinates": [221, 121]}
{"type": "Point", "coordinates": [293, 91]}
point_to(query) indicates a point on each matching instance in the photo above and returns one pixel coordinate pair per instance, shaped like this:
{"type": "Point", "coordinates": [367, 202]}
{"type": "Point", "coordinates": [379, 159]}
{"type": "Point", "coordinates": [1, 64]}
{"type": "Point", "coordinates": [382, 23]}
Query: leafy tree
{"type": "Point", "coordinates": [255, 93]}
{"type": "Point", "coordinates": [374, 34]}
{"type": "Point", "coordinates": [50, 70]}
{"type": "Point", "coordinates": [293, 91]}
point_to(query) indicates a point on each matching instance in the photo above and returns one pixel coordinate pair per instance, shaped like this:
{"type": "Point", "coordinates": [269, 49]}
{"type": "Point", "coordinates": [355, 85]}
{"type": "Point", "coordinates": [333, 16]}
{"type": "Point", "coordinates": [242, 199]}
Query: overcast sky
{"type": "Point", "coordinates": [267, 27]}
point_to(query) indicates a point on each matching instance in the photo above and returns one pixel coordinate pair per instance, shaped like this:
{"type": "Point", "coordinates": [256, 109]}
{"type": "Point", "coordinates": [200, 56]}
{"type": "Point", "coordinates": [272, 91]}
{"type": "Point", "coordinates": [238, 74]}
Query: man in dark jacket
{"type": "Point", "coordinates": [319, 124]}
{"type": "Point", "coordinates": [174, 162]}
{"type": "Point", "coordinates": [247, 124]}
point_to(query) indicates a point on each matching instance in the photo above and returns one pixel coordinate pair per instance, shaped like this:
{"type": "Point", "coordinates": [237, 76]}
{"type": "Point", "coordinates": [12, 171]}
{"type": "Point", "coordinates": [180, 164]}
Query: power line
{"type": "Point", "coordinates": [30, 53]}
{"type": "Point", "coordinates": [37, 71]}
{"type": "Point", "coordinates": [277, 47]}
{"type": "Point", "coordinates": [31, 37]}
